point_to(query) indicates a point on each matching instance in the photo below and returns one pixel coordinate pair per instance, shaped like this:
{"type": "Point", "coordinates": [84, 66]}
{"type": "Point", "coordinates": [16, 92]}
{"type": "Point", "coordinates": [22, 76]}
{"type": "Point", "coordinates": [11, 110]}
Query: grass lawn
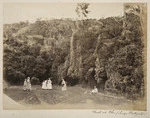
{"type": "Point", "coordinates": [74, 97]}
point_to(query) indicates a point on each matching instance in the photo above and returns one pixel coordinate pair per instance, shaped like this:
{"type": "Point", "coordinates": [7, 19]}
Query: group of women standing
{"type": "Point", "coordinates": [27, 84]}
{"type": "Point", "coordinates": [46, 84]}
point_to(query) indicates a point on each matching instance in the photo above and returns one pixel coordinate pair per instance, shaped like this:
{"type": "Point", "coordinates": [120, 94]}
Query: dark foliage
{"type": "Point", "coordinates": [107, 53]}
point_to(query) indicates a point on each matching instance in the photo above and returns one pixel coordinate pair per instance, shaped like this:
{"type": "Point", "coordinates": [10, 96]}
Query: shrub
{"type": "Point", "coordinates": [35, 80]}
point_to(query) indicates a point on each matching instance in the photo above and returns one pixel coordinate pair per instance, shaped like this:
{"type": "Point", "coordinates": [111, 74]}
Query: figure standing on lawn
{"type": "Point", "coordinates": [64, 86]}
{"type": "Point", "coordinates": [28, 84]}
{"type": "Point", "coordinates": [25, 85]}
{"type": "Point", "coordinates": [44, 85]}
{"type": "Point", "coordinates": [49, 84]}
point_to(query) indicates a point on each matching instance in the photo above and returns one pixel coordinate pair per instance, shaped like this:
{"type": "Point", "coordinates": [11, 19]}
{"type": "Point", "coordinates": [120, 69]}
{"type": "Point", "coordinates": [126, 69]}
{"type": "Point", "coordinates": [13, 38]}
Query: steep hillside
{"type": "Point", "coordinates": [108, 53]}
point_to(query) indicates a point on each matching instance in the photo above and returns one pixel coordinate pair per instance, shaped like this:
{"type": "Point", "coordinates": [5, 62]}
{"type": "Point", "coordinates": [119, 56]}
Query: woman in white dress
{"type": "Point", "coordinates": [64, 86]}
{"type": "Point", "coordinates": [28, 84]}
{"type": "Point", "coordinates": [44, 85]}
{"type": "Point", "coordinates": [95, 90]}
{"type": "Point", "coordinates": [49, 84]}
{"type": "Point", "coordinates": [25, 85]}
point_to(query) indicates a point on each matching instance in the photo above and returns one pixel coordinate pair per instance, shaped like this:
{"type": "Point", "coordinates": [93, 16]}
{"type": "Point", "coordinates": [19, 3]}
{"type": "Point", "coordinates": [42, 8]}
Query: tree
{"type": "Point", "coordinates": [82, 11]}
{"type": "Point", "coordinates": [40, 68]}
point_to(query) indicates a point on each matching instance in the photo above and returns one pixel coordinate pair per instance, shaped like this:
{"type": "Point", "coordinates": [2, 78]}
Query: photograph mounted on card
{"type": "Point", "coordinates": [75, 56]}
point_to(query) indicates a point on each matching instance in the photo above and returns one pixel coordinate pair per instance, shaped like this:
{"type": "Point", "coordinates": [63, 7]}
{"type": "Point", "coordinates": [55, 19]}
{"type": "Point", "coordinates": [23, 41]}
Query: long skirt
{"type": "Point", "coordinates": [29, 86]}
{"type": "Point", "coordinates": [49, 86]}
{"type": "Point", "coordinates": [25, 87]}
{"type": "Point", "coordinates": [44, 85]}
{"type": "Point", "coordinates": [64, 88]}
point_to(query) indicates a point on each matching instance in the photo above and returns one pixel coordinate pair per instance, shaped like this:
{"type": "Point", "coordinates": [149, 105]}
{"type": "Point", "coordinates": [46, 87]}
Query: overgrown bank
{"type": "Point", "coordinates": [107, 52]}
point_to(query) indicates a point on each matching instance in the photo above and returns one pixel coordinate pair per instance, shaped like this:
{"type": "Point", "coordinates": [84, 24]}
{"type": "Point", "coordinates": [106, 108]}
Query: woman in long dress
{"type": "Point", "coordinates": [44, 85]}
{"type": "Point", "coordinates": [49, 84]}
{"type": "Point", "coordinates": [25, 85]}
{"type": "Point", "coordinates": [28, 84]}
{"type": "Point", "coordinates": [64, 86]}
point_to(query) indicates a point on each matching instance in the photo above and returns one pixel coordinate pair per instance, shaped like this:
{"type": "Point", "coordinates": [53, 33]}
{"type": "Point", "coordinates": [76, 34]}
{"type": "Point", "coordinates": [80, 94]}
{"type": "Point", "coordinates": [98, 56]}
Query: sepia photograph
{"type": "Point", "coordinates": [71, 55]}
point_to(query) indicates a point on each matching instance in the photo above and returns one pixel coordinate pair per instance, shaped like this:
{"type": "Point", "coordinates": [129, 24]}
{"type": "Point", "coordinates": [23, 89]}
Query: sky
{"type": "Point", "coordinates": [16, 12]}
